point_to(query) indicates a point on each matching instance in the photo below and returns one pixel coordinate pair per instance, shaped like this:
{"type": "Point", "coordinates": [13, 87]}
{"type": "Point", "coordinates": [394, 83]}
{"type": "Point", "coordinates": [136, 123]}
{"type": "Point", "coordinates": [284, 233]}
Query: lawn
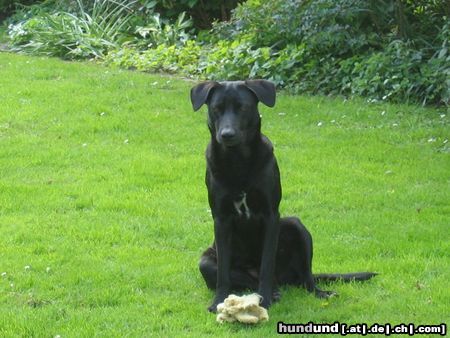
{"type": "Point", "coordinates": [104, 214]}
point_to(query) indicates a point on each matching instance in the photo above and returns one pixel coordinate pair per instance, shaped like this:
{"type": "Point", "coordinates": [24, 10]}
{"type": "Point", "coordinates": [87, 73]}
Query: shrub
{"type": "Point", "coordinates": [386, 50]}
{"type": "Point", "coordinates": [88, 34]}
{"type": "Point", "coordinates": [325, 26]}
{"type": "Point", "coordinates": [7, 7]}
{"type": "Point", "coordinates": [162, 58]}
{"type": "Point", "coordinates": [160, 31]}
{"type": "Point", "coordinates": [235, 60]}
{"type": "Point", "coordinates": [204, 13]}
{"type": "Point", "coordinates": [401, 72]}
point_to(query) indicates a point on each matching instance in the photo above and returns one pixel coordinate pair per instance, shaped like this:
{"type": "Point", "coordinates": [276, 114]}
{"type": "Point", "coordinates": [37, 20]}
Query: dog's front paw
{"type": "Point", "coordinates": [266, 302]}
{"type": "Point", "coordinates": [217, 300]}
{"type": "Point", "coordinates": [213, 308]}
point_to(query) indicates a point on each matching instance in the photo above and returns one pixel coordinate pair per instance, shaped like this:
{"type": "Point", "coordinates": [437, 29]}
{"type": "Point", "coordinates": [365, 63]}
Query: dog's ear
{"type": "Point", "coordinates": [264, 91]}
{"type": "Point", "coordinates": [200, 93]}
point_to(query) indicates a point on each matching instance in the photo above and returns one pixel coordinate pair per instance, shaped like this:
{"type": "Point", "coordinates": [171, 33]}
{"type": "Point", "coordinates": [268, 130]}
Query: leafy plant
{"type": "Point", "coordinates": [167, 58]}
{"type": "Point", "coordinates": [7, 7]}
{"type": "Point", "coordinates": [401, 72]}
{"type": "Point", "coordinates": [159, 31]}
{"type": "Point", "coordinates": [393, 50]}
{"type": "Point", "coordinates": [204, 13]}
{"type": "Point", "coordinates": [348, 47]}
{"type": "Point", "coordinates": [90, 33]}
{"type": "Point", "coordinates": [327, 26]}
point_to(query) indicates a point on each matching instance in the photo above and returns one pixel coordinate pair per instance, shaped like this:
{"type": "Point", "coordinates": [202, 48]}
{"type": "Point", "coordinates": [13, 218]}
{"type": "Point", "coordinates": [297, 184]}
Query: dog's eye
{"type": "Point", "coordinates": [245, 107]}
{"type": "Point", "coordinates": [216, 110]}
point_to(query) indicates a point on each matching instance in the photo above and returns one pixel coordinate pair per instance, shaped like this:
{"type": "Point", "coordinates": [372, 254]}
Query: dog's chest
{"type": "Point", "coordinates": [241, 206]}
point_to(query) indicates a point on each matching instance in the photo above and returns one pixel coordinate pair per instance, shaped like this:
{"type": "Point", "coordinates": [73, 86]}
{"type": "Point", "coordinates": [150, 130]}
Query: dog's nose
{"type": "Point", "coordinates": [227, 133]}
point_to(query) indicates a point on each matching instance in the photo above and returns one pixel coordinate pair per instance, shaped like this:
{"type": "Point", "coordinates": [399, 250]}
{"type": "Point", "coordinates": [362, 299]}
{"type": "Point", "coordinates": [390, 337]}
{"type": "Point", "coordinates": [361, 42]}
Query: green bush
{"type": "Point", "coordinates": [167, 58]}
{"type": "Point", "coordinates": [86, 34]}
{"type": "Point", "coordinates": [325, 26]}
{"type": "Point", "coordinates": [161, 31]}
{"type": "Point", "coordinates": [7, 7]}
{"type": "Point", "coordinates": [393, 50]}
{"type": "Point", "coordinates": [400, 72]}
{"type": "Point", "coordinates": [348, 47]}
{"type": "Point", "coordinates": [92, 29]}
{"type": "Point", "coordinates": [235, 60]}
{"type": "Point", "coordinates": [204, 13]}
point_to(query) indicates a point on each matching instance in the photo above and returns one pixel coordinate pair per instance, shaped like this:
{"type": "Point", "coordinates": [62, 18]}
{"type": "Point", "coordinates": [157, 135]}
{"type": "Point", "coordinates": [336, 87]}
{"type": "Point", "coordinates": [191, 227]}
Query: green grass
{"type": "Point", "coordinates": [102, 198]}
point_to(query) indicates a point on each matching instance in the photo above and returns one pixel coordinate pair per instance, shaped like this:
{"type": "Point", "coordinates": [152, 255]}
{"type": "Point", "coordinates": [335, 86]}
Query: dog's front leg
{"type": "Point", "coordinates": [222, 234]}
{"type": "Point", "coordinates": [266, 277]}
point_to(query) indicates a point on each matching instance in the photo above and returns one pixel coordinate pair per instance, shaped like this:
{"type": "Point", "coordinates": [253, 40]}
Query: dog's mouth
{"type": "Point", "coordinates": [230, 143]}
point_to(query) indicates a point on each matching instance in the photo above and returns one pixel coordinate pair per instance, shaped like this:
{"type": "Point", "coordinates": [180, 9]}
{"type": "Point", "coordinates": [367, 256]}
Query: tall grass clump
{"type": "Point", "coordinates": [87, 33]}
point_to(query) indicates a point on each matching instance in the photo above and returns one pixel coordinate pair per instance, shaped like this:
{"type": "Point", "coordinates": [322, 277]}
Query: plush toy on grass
{"type": "Point", "coordinates": [244, 309]}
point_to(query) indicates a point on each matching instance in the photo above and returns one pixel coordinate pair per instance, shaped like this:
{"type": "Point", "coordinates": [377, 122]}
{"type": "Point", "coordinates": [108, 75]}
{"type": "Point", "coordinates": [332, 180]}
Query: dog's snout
{"type": "Point", "coordinates": [228, 136]}
{"type": "Point", "coordinates": [227, 133]}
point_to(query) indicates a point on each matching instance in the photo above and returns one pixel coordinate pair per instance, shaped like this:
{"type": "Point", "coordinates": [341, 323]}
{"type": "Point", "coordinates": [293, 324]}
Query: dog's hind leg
{"type": "Point", "coordinates": [294, 257]}
{"type": "Point", "coordinates": [208, 268]}
{"type": "Point", "coordinates": [240, 279]}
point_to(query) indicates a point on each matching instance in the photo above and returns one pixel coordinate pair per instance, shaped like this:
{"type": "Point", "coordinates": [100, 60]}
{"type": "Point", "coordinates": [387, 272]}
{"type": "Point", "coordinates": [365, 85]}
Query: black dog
{"type": "Point", "coordinates": [253, 248]}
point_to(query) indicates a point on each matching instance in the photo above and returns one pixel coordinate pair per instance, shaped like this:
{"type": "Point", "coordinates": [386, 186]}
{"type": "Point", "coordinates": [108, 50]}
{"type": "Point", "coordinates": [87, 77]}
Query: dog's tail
{"type": "Point", "coordinates": [344, 277]}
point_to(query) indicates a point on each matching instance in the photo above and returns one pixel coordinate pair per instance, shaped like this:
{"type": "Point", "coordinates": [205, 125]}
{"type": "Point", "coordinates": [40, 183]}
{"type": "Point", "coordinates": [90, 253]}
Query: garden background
{"type": "Point", "coordinates": [103, 209]}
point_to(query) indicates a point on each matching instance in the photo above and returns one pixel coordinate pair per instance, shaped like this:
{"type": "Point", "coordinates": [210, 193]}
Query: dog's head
{"type": "Point", "coordinates": [233, 116]}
